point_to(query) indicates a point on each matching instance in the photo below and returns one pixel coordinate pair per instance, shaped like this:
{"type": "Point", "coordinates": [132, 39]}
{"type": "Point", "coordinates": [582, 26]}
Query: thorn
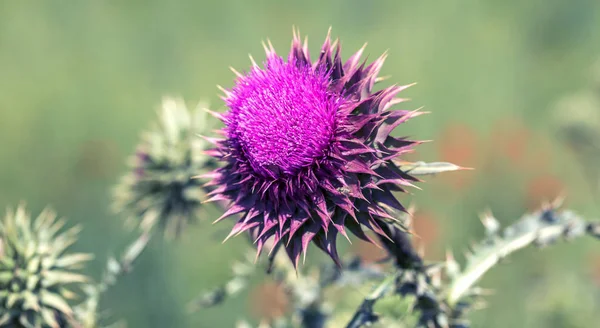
{"type": "Point", "coordinates": [213, 199]}
{"type": "Point", "coordinates": [436, 278]}
{"type": "Point", "coordinates": [214, 114]}
{"type": "Point", "coordinates": [238, 74]}
{"type": "Point", "coordinates": [421, 250]}
{"type": "Point", "coordinates": [256, 258]}
{"type": "Point", "coordinates": [411, 210]}
{"type": "Point", "coordinates": [335, 43]}
{"type": "Point", "coordinates": [270, 46]}
{"type": "Point", "coordinates": [409, 219]}
{"type": "Point", "coordinates": [418, 112]}
{"type": "Point", "coordinates": [213, 141]}
{"type": "Point", "coordinates": [489, 222]}
{"type": "Point", "coordinates": [228, 236]}
{"type": "Point", "coordinates": [382, 78]}
{"type": "Point", "coordinates": [362, 49]}
{"type": "Point", "coordinates": [423, 141]}
{"type": "Point", "coordinates": [225, 91]}
{"type": "Point", "coordinates": [295, 34]}
{"type": "Point", "coordinates": [452, 267]}
{"type": "Point", "coordinates": [449, 256]}
{"type": "Point", "coordinates": [344, 233]}
{"type": "Point", "coordinates": [304, 251]}
{"type": "Point", "coordinates": [378, 63]}
{"type": "Point", "coordinates": [395, 101]}
{"type": "Point", "coordinates": [253, 61]}
{"type": "Point", "coordinates": [305, 45]}
{"type": "Point", "coordinates": [483, 291]}
{"type": "Point", "coordinates": [209, 175]}
{"type": "Point", "coordinates": [273, 248]}
{"type": "Point", "coordinates": [559, 200]}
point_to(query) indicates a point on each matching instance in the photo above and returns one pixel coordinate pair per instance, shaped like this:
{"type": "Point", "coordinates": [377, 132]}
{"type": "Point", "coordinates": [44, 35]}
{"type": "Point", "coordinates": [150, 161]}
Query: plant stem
{"type": "Point", "coordinates": [541, 228]}
{"type": "Point", "coordinates": [529, 230]}
{"type": "Point", "coordinates": [365, 314]}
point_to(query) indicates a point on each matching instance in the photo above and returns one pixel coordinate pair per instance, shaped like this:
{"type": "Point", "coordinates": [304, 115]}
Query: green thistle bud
{"type": "Point", "coordinates": [160, 189]}
{"type": "Point", "coordinates": [37, 278]}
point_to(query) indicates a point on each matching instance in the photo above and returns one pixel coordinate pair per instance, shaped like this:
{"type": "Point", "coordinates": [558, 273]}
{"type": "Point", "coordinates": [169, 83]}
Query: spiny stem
{"type": "Point", "coordinates": [116, 268]}
{"type": "Point", "coordinates": [531, 229]}
{"type": "Point", "coordinates": [87, 311]}
{"type": "Point", "coordinates": [365, 314]}
{"type": "Point", "coordinates": [541, 228]}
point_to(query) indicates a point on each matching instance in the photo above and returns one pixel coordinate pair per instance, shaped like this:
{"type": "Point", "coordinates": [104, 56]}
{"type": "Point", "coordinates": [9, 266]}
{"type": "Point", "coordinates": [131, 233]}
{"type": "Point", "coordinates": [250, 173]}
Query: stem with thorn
{"type": "Point", "coordinates": [365, 313]}
{"type": "Point", "coordinates": [439, 300]}
{"type": "Point", "coordinates": [542, 229]}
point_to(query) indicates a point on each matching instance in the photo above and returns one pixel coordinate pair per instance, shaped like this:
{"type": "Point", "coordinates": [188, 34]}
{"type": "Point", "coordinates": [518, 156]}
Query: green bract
{"type": "Point", "coordinates": [38, 278]}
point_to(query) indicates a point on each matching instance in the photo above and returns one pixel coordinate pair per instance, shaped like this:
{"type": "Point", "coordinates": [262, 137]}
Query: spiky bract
{"type": "Point", "coordinates": [38, 280]}
{"type": "Point", "coordinates": [160, 190]}
{"type": "Point", "coordinates": [308, 152]}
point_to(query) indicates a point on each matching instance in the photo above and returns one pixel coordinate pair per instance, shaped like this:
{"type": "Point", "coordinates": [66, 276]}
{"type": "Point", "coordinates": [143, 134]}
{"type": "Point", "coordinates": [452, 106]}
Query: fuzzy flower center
{"type": "Point", "coordinates": [282, 117]}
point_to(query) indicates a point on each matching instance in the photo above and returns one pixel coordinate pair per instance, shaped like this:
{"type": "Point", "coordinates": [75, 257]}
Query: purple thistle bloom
{"type": "Point", "coordinates": [308, 152]}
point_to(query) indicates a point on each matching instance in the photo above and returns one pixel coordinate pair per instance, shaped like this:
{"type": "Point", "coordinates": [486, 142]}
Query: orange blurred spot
{"type": "Point", "coordinates": [427, 231]}
{"type": "Point", "coordinates": [595, 269]}
{"type": "Point", "coordinates": [544, 188]}
{"type": "Point", "coordinates": [458, 144]}
{"type": "Point", "coordinates": [268, 301]}
{"type": "Point", "coordinates": [541, 156]}
{"type": "Point", "coordinates": [510, 139]}
{"type": "Point", "coordinates": [368, 252]}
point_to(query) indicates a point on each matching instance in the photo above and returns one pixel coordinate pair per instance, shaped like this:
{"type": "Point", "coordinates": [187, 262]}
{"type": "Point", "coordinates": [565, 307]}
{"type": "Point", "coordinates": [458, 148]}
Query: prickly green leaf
{"type": "Point", "coordinates": [422, 168]}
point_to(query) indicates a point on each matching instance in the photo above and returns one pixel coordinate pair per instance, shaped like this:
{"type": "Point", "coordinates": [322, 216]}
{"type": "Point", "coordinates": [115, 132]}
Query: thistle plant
{"type": "Point", "coordinates": [41, 284]}
{"type": "Point", "coordinates": [443, 292]}
{"type": "Point", "coordinates": [411, 292]}
{"type": "Point", "coordinates": [159, 191]}
{"type": "Point", "coordinates": [307, 152]}
{"type": "Point", "coordinates": [38, 277]}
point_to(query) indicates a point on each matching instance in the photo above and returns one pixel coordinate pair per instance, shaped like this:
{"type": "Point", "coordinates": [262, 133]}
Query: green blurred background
{"type": "Point", "coordinates": [79, 80]}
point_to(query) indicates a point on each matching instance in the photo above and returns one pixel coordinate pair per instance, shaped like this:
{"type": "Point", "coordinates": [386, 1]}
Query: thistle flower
{"type": "Point", "coordinates": [35, 272]}
{"type": "Point", "coordinates": [160, 189]}
{"type": "Point", "coordinates": [307, 151]}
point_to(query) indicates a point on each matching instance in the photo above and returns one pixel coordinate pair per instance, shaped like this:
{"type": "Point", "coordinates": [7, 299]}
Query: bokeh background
{"type": "Point", "coordinates": [79, 80]}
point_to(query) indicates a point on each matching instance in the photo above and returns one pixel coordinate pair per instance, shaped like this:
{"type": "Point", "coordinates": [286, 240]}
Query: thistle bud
{"type": "Point", "coordinates": [159, 189]}
{"type": "Point", "coordinates": [38, 278]}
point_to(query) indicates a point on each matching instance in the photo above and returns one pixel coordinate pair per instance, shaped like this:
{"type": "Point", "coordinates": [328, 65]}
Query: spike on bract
{"type": "Point", "coordinates": [308, 150]}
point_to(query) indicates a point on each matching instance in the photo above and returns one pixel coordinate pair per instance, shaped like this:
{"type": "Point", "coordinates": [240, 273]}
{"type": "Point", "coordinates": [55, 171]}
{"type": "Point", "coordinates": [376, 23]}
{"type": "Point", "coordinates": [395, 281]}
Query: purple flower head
{"type": "Point", "coordinates": [307, 151]}
{"type": "Point", "coordinates": [283, 118]}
